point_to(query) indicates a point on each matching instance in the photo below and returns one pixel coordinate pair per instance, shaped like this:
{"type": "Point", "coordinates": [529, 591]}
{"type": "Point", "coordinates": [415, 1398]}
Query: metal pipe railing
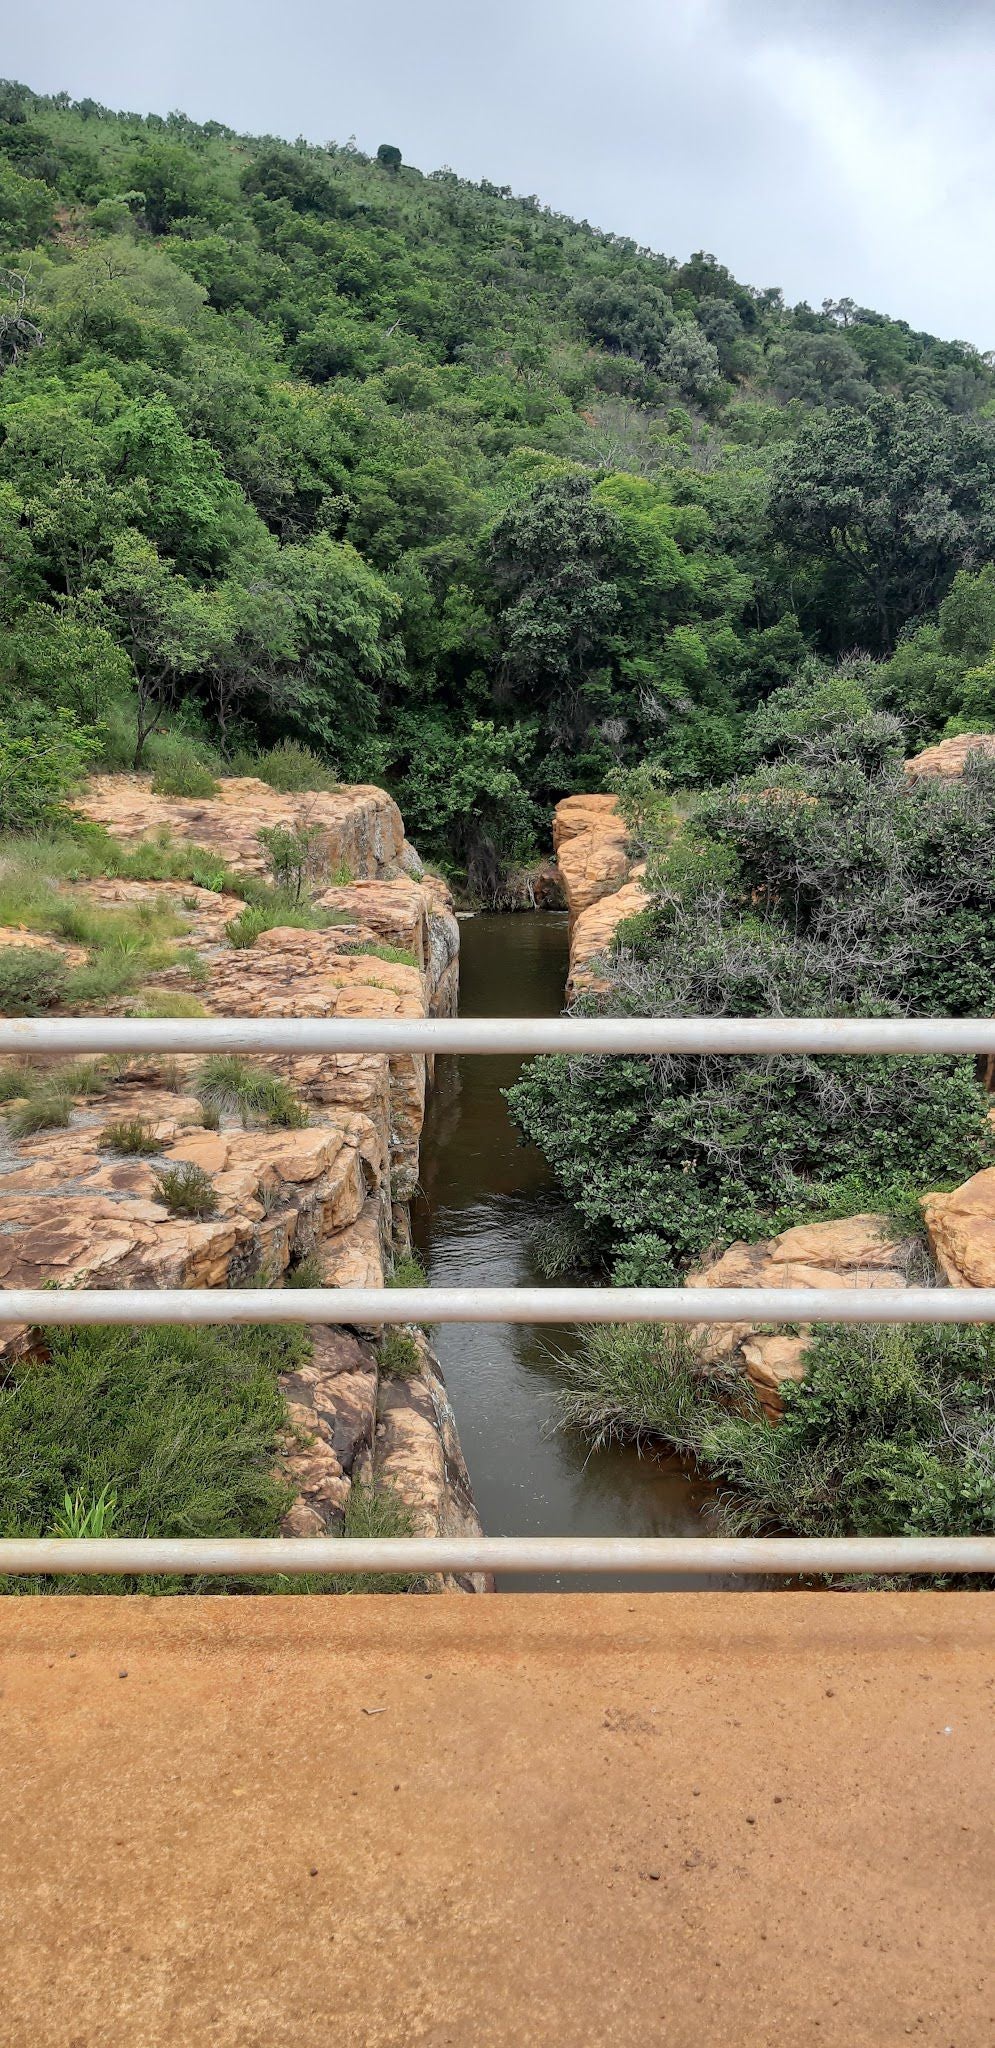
{"type": "Point", "coordinates": [664, 1556]}
{"type": "Point", "coordinates": [660, 1556]}
{"type": "Point", "coordinates": [514, 1035]}
{"type": "Point", "coordinates": [368, 1306]}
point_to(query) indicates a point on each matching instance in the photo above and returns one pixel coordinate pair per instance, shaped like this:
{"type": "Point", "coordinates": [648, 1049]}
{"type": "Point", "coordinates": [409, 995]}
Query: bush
{"type": "Point", "coordinates": [185, 776]}
{"type": "Point", "coordinates": [44, 755]}
{"type": "Point", "coordinates": [186, 1190]}
{"type": "Point", "coordinates": [289, 767]}
{"type": "Point", "coordinates": [292, 856]}
{"type": "Point", "coordinates": [31, 979]}
{"type": "Point", "coordinates": [279, 913]}
{"type": "Point", "coordinates": [49, 1109]}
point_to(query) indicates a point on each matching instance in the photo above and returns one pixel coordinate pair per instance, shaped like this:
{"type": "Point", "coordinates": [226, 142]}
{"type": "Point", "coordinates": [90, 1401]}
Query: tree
{"type": "Point", "coordinates": [389, 156]}
{"type": "Point", "coordinates": [891, 503]}
{"type": "Point", "coordinates": [168, 630]}
{"type": "Point", "coordinates": [551, 558]}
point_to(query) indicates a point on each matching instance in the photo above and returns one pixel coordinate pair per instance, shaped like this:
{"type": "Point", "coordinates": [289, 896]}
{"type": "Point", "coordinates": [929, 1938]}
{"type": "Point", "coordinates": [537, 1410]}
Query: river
{"type": "Point", "coordinates": [483, 1193]}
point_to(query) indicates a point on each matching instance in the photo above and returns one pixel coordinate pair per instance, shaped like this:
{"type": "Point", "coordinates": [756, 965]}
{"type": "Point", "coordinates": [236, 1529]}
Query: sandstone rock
{"type": "Point", "coordinates": [949, 757]}
{"type": "Point", "coordinates": [855, 1252]}
{"type": "Point", "coordinates": [595, 929]}
{"type": "Point", "coordinates": [357, 828]}
{"type": "Point", "coordinates": [961, 1229]}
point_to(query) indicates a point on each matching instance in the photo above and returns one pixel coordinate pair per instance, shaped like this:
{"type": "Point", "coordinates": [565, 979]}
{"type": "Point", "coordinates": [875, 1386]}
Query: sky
{"type": "Point", "coordinates": [832, 147]}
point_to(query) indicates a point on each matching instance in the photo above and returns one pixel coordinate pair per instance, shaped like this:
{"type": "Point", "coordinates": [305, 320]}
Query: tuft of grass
{"type": "Point", "coordinates": [408, 1271]}
{"type": "Point", "coordinates": [186, 1190]}
{"type": "Point", "coordinates": [398, 1355]}
{"type": "Point", "coordinates": [370, 1511]}
{"type": "Point", "coordinates": [131, 1139]}
{"type": "Point", "coordinates": [79, 1517]}
{"type": "Point", "coordinates": [168, 1002]}
{"type": "Point", "coordinates": [225, 1083]}
{"type": "Point", "coordinates": [48, 1109]}
{"type": "Point", "coordinates": [306, 1273]}
{"type": "Point", "coordinates": [281, 912]}
{"type": "Point", "coordinates": [18, 1079]}
{"type": "Point", "coordinates": [288, 767]}
{"type": "Point", "coordinates": [639, 1382]}
{"type": "Point", "coordinates": [396, 956]}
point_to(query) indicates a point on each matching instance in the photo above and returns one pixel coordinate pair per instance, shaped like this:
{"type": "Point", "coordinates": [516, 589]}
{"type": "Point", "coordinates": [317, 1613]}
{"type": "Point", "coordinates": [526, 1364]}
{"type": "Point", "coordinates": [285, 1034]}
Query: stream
{"type": "Point", "coordinates": [483, 1194]}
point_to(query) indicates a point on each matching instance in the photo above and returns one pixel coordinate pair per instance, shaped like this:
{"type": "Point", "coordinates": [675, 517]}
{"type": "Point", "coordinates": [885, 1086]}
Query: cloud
{"type": "Point", "coordinates": [829, 146]}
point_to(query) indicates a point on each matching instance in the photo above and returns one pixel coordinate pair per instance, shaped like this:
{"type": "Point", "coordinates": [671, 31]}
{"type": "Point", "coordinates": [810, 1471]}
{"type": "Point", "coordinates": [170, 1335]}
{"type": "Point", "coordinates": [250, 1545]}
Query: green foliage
{"type": "Point", "coordinates": [826, 883]}
{"type": "Point", "coordinates": [31, 980]}
{"type": "Point", "coordinates": [186, 1190]}
{"type": "Point", "coordinates": [398, 1356]}
{"type": "Point", "coordinates": [185, 776]}
{"type": "Point", "coordinates": [290, 767]}
{"type": "Point", "coordinates": [225, 1083]}
{"type": "Point", "coordinates": [178, 1427]}
{"type": "Point", "coordinates": [408, 1272]}
{"type": "Point", "coordinates": [293, 857]}
{"type": "Point", "coordinates": [48, 1108]}
{"type": "Point", "coordinates": [43, 758]}
{"type": "Point", "coordinates": [81, 1518]}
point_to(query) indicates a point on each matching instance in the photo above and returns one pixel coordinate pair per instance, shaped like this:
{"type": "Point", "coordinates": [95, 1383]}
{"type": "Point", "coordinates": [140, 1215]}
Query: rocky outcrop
{"type": "Point", "coordinates": [856, 1252]}
{"type": "Point", "coordinates": [949, 757]}
{"type": "Point", "coordinates": [961, 1228]}
{"type": "Point", "coordinates": [358, 830]}
{"type": "Point", "coordinates": [601, 885]}
{"type": "Point", "coordinates": [333, 1192]}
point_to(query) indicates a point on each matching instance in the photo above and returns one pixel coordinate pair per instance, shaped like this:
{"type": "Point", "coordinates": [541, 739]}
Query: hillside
{"type": "Point", "coordinates": [471, 499]}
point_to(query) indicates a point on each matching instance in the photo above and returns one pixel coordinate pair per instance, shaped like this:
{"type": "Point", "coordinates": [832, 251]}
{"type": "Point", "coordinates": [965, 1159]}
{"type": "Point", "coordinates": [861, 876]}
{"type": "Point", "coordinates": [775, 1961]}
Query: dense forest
{"type": "Point", "coordinates": [299, 446]}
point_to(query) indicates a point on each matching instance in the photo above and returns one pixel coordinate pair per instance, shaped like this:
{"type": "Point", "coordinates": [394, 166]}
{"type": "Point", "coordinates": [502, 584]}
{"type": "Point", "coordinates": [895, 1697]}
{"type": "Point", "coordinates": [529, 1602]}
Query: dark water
{"type": "Point", "coordinates": [483, 1195]}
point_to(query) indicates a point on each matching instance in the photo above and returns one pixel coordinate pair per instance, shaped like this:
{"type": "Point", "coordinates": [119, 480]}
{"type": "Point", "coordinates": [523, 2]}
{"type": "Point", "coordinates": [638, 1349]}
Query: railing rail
{"type": "Point", "coordinates": [371, 1307]}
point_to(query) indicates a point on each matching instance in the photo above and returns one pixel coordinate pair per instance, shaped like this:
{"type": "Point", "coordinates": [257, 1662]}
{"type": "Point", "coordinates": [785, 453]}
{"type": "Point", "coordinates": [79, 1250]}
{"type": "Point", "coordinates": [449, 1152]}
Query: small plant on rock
{"type": "Point", "coordinates": [49, 1109]}
{"type": "Point", "coordinates": [131, 1139]}
{"type": "Point", "coordinates": [186, 1190]}
{"type": "Point", "coordinates": [398, 1355]}
{"type": "Point", "coordinates": [227, 1085]}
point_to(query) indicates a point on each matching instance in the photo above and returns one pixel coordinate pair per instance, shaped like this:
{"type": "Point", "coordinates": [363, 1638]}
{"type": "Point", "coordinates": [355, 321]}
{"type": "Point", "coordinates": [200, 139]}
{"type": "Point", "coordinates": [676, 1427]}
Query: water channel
{"type": "Point", "coordinates": [484, 1193]}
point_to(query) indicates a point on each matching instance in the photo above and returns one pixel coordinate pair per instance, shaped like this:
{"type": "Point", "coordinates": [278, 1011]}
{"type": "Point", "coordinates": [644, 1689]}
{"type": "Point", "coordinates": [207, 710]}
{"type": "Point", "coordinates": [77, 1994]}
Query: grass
{"type": "Point", "coordinates": [306, 1273]}
{"type": "Point", "coordinates": [396, 956]}
{"type": "Point", "coordinates": [408, 1271]}
{"type": "Point", "coordinates": [48, 1109]}
{"type": "Point", "coordinates": [282, 912]}
{"type": "Point", "coordinates": [185, 777]}
{"type": "Point", "coordinates": [370, 1511]}
{"type": "Point", "coordinates": [225, 1083]}
{"type": "Point", "coordinates": [168, 1002]}
{"type": "Point", "coordinates": [186, 1190]}
{"type": "Point", "coordinates": [642, 1382]}
{"type": "Point", "coordinates": [289, 767]}
{"type": "Point", "coordinates": [180, 1427]}
{"type": "Point", "coordinates": [398, 1355]}
{"type": "Point", "coordinates": [31, 980]}
{"type": "Point", "coordinates": [131, 1139]}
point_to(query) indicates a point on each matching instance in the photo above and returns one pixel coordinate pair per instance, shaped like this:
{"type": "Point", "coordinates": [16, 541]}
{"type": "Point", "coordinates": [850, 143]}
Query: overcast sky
{"type": "Point", "coordinates": [828, 146]}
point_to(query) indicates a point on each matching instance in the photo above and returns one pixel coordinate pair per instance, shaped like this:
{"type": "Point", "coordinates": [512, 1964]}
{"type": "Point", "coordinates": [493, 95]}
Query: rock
{"type": "Point", "coordinates": [949, 757]}
{"type": "Point", "coordinates": [961, 1229]}
{"type": "Point", "coordinates": [591, 851]}
{"type": "Point", "coordinates": [595, 929]}
{"type": "Point", "coordinates": [855, 1252]}
{"type": "Point", "coordinates": [357, 828]}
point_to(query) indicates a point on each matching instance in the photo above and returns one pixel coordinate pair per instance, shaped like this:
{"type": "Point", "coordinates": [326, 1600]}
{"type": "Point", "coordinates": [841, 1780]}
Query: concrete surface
{"type": "Point", "coordinates": [685, 1818]}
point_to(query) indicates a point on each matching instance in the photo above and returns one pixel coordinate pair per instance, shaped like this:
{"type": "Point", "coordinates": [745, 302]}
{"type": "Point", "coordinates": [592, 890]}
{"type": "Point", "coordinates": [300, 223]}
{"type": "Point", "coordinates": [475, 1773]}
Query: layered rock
{"type": "Point", "coordinates": [601, 885]}
{"type": "Point", "coordinates": [961, 1228]}
{"type": "Point", "coordinates": [856, 1252]}
{"type": "Point", "coordinates": [357, 829]}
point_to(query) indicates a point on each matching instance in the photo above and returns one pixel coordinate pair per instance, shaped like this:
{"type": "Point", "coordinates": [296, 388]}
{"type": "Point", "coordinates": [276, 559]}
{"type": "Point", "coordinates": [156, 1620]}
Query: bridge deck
{"type": "Point", "coordinates": [684, 1818]}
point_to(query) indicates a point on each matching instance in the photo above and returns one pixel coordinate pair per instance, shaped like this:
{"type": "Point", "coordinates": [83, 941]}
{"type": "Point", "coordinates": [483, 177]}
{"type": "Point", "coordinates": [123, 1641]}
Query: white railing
{"type": "Point", "coordinates": [371, 1307]}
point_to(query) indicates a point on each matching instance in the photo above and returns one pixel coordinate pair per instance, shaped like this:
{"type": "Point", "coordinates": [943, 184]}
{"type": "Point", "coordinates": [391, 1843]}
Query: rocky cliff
{"type": "Point", "coordinates": [600, 883]}
{"type": "Point", "coordinates": [331, 1189]}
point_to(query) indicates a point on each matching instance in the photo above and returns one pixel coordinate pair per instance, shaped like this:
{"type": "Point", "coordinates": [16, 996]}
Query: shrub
{"type": "Point", "coordinates": [31, 979]}
{"type": "Point", "coordinates": [398, 1355]}
{"type": "Point", "coordinates": [186, 1190]}
{"type": "Point", "coordinates": [289, 767]}
{"type": "Point", "coordinates": [279, 913]}
{"type": "Point", "coordinates": [44, 754]}
{"type": "Point", "coordinates": [408, 1271]}
{"type": "Point", "coordinates": [226, 1084]}
{"type": "Point", "coordinates": [185, 776]}
{"type": "Point", "coordinates": [292, 857]}
{"type": "Point", "coordinates": [132, 1139]}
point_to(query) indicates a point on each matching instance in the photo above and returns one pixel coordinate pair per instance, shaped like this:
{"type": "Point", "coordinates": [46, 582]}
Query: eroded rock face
{"type": "Point", "coordinates": [358, 828]}
{"type": "Point", "coordinates": [961, 1230]}
{"type": "Point", "coordinates": [949, 757]}
{"type": "Point", "coordinates": [600, 884]}
{"type": "Point", "coordinates": [856, 1252]}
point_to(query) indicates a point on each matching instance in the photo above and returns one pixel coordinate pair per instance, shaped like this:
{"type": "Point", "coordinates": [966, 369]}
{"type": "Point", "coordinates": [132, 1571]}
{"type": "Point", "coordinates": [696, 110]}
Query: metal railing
{"type": "Point", "coordinates": [372, 1307]}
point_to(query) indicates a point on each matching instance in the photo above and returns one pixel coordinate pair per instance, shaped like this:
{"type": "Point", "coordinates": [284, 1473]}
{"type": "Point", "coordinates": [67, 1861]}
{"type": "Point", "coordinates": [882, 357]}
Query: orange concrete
{"type": "Point", "coordinates": [692, 1818]}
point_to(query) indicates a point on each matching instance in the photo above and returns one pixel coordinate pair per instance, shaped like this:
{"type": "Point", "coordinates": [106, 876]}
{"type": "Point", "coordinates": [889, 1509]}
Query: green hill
{"type": "Point", "coordinates": [467, 497]}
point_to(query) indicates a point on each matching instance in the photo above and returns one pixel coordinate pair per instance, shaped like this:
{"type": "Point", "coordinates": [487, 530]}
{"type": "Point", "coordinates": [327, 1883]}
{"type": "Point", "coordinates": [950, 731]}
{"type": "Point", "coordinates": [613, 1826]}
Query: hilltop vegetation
{"type": "Point", "coordinates": [472, 499]}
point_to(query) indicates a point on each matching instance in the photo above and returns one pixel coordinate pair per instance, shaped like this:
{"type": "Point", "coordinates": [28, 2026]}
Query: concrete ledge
{"type": "Point", "coordinates": [578, 1819]}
